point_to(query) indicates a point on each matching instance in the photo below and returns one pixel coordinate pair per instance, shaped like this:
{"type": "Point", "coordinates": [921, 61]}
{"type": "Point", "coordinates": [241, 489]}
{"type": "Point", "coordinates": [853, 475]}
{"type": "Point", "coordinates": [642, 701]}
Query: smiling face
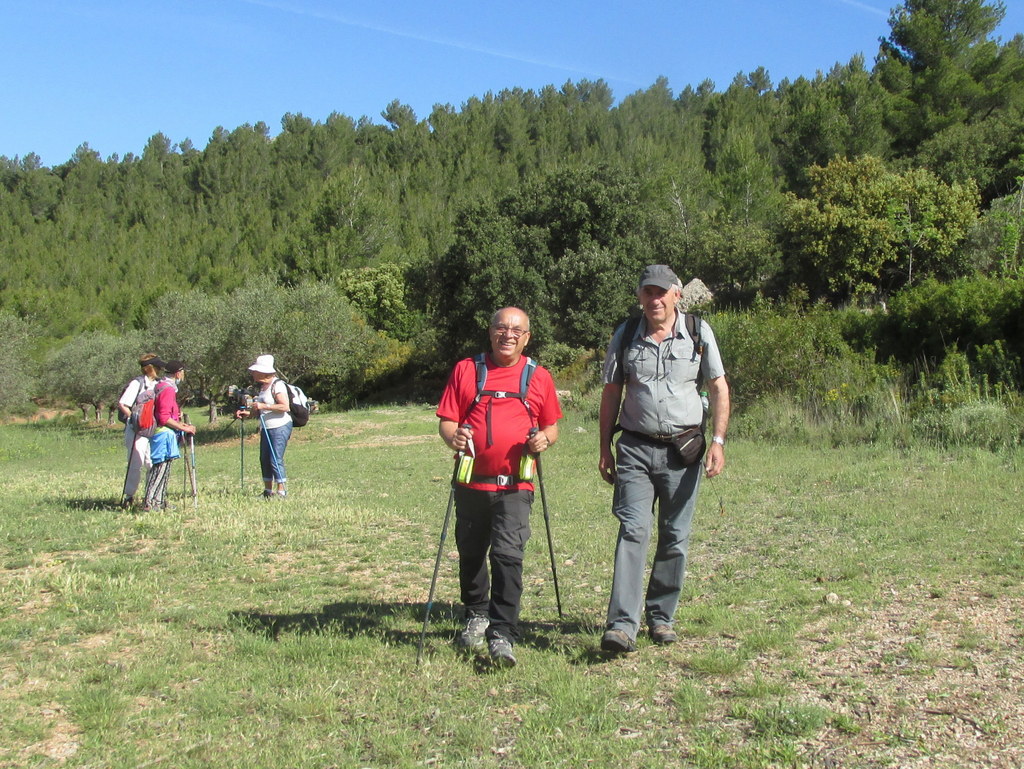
{"type": "Point", "coordinates": [659, 304]}
{"type": "Point", "coordinates": [509, 331]}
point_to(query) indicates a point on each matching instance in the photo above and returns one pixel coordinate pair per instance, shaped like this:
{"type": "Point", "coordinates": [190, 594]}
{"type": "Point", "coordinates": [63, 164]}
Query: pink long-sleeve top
{"type": "Point", "coordinates": [166, 406]}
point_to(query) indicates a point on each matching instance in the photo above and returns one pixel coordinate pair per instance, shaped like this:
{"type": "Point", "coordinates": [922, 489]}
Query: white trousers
{"type": "Point", "coordinates": [138, 457]}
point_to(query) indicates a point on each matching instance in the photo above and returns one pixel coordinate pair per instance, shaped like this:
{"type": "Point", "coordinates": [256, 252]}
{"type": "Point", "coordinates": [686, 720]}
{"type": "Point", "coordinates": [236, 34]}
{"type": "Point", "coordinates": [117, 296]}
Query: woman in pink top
{"type": "Point", "coordinates": [163, 446]}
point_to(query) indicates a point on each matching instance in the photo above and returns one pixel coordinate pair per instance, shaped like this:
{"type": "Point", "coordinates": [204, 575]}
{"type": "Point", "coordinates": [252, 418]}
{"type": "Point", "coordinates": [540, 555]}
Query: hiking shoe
{"type": "Point", "coordinates": [663, 635]}
{"type": "Point", "coordinates": [617, 642]}
{"type": "Point", "coordinates": [500, 649]}
{"type": "Point", "coordinates": [472, 636]}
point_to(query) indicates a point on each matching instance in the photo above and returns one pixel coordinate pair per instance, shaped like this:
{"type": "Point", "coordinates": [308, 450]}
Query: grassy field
{"type": "Point", "coordinates": [850, 608]}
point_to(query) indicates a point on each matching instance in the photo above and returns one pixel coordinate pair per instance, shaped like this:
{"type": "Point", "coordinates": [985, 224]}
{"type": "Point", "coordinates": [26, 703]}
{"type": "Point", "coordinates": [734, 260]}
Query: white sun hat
{"type": "Point", "coordinates": [264, 365]}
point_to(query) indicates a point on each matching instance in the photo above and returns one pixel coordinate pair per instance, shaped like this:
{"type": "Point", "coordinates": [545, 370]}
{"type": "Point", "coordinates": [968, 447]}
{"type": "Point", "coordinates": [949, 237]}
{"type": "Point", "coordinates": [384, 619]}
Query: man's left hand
{"type": "Point", "coordinates": [714, 461]}
{"type": "Point", "coordinates": [537, 442]}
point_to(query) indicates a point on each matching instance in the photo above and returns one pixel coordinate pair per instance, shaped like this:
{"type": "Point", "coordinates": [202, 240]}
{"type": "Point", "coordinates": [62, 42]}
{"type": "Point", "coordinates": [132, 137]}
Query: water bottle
{"type": "Point", "coordinates": [464, 470]}
{"type": "Point", "coordinates": [528, 463]}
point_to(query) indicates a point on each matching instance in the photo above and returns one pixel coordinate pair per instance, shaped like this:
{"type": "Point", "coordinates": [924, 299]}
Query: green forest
{"type": "Point", "coordinates": [869, 217]}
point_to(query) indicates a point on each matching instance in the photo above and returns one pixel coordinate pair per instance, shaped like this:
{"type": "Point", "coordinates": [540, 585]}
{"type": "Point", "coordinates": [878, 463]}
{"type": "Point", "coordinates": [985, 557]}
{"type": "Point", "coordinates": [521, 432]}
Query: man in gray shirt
{"type": "Point", "coordinates": [658, 366]}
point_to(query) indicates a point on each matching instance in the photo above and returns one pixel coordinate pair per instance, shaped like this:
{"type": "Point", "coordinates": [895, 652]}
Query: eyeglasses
{"type": "Point", "coordinates": [515, 333]}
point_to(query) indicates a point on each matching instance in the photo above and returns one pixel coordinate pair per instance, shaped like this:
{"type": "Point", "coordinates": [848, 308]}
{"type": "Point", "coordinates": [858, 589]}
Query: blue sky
{"type": "Point", "coordinates": [111, 73]}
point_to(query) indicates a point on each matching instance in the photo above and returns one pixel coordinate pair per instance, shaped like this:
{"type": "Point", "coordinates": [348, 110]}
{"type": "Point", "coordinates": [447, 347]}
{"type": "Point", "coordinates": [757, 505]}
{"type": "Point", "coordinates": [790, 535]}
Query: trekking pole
{"type": "Point", "coordinates": [547, 525]}
{"type": "Point", "coordinates": [437, 561]}
{"type": "Point", "coordinates": [241, 443]}
{"type": "Point", "coordinates": [273, 454]}
{"type": "Point", "coordinates": [192, 465]}
{"type": "Point", "coordinates": [224, 430]}
{"type": "Point", "coordinates": [184, 465]}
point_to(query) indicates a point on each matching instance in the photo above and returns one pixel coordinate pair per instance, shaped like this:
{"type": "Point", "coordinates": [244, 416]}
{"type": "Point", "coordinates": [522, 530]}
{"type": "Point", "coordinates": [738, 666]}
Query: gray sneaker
{"type": "Point", "coordinates": [501, 652]}
{"type": "Point", "coordinates": [472, 636]}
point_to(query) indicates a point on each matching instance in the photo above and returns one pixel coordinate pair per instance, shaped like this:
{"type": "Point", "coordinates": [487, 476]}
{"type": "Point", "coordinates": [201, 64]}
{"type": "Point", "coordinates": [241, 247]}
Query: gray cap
{"type": "Point", "coordinates": [659, 275]}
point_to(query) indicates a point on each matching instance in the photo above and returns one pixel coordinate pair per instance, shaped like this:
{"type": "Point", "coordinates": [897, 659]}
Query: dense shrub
{"type": "Point", "coordinates": [980, 317]}
{"type": "Point", "coordinates": [799, 353]}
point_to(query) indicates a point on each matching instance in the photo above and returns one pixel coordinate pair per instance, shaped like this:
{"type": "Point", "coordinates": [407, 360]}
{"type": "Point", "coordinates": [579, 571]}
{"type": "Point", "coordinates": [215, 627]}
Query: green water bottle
{"type": "Point", "coordinates": [464, 470]}
{"type": "Point", "coordinates": [528, 463]}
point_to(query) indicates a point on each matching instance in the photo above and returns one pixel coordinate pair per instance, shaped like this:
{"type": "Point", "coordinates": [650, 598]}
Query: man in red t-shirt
{"type": "Point", "coordinates": [492, 508]}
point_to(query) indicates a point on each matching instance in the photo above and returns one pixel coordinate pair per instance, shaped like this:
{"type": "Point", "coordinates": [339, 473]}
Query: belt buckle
{"type": "Point", "coordinates": [503, 480]}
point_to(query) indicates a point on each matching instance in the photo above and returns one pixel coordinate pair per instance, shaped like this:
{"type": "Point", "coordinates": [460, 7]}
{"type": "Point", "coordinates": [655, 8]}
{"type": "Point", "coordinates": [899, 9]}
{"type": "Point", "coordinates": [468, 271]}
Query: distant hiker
{"type": "Point", "coordinates": [163, 446]}
{"type": "Point", "coordinates": [136, 445]}
{"type": "Point", "coordinates": [491, 409]}
{"type": "Point", "coordinates": [657, 360]}
{"type": "Point", "coordinates": [272, 408]}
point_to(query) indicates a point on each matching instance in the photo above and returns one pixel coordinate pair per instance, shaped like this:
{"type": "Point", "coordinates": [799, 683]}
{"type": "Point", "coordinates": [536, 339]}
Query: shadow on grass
{"type": "Point", "coordinates": [351, 618]}
{"type": "Point", "coordinates": [356, 618]}
{"type": "Point", "coordinates": [89, 503]}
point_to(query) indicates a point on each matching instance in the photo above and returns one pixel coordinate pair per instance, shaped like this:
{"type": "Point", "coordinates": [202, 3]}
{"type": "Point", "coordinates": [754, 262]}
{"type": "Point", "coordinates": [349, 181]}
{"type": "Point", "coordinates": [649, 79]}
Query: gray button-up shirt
{"type": "Point", "coordinates": [660, 379]}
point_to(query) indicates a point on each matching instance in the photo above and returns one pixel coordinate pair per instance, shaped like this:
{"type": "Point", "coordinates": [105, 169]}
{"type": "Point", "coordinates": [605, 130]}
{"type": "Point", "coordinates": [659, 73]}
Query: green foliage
{"type": "Point", "coordinates": [316, 336]}
{"type": "Point", "coordinates": [996, 243]}
{"type": "Point", "coordinates": [980, 317]}
{"type": "Point", "coordinates": [792, 351]}
{"type": "Point", "coordinates": [379, 293]}
{"type": "Point", "coordinates": [17, 374]}
{"type": "Point", "coordinates": [943, 70]}
{"type": "Point", "coordinates": [865, 229]}
{"type": "Point", "coordinates": [93, 369]}
{"type": "Point", "coordinates": [562, 248]}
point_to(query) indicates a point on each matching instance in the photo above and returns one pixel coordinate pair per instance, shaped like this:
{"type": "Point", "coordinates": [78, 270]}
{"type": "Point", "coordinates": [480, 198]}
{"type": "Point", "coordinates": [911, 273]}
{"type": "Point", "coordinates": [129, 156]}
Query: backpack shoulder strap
{"type": "Point", "coordinates": [525, 377]}
{"type": "Point", "coordinates": [694, 324]}
{"type": "Point", "coordinates": [480, 362]}
{"type": "Point", "coordinates": [629, 327]}
{"type": "Point", "coordinates": [693, 328]}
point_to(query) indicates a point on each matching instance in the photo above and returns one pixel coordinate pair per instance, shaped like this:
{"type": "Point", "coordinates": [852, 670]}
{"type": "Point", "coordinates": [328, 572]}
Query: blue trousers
{"type": "Point", "coordinates": [273, 442]}
{"type": "Point", "coordinates": [646, 473]}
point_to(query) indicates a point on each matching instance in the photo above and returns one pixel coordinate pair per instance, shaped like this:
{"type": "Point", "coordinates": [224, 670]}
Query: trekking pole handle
{"type": "Point", "coordinates": [533, 432]}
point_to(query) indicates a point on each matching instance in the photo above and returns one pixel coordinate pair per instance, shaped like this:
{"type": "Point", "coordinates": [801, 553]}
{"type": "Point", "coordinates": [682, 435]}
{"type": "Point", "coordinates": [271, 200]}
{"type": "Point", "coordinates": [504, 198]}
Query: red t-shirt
{"type": "Point", "coordinates": [510, 421]}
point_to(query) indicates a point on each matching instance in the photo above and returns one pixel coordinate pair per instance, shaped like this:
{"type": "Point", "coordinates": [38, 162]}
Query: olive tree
{"type": "Point", "coordinates": [92, 369]}
{"type": "Point", "coordinates": [16, 375]}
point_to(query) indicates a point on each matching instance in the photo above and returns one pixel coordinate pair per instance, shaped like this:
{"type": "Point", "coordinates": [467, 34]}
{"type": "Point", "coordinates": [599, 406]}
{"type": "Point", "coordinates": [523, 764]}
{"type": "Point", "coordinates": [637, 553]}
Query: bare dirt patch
{"type": "Point", "coordinates": [927, 681]}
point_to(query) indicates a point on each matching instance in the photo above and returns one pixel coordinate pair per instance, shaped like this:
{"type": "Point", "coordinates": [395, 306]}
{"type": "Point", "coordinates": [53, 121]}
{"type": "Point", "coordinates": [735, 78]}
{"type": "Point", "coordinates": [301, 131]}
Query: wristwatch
{"type": "Point", "coordinates": [719, 440]}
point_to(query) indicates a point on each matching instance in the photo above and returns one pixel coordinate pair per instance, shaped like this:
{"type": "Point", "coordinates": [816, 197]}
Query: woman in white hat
{"type": "Point", "coordinates": [270, 406]}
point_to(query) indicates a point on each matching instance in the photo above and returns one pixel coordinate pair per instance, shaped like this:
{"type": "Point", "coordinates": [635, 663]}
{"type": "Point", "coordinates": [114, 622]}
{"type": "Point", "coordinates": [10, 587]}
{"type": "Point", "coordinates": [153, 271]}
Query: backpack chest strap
{"type": "Point", "coordinates": [480, 362]}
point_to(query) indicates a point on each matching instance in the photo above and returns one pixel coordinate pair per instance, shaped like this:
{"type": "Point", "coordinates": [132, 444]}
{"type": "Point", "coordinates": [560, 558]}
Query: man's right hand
{"type": "Point", "coordinates": [607, 465]}
{"type": "Point", "coordinates": [462, 437]}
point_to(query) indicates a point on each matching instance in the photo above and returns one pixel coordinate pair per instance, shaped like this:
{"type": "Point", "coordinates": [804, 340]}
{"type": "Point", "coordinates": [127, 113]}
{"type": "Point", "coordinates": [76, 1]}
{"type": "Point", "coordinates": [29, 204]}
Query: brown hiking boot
{"type": "Point", "coordinates": [663, 635]}
{"type": "Point", "coordinates": [617, 642]}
